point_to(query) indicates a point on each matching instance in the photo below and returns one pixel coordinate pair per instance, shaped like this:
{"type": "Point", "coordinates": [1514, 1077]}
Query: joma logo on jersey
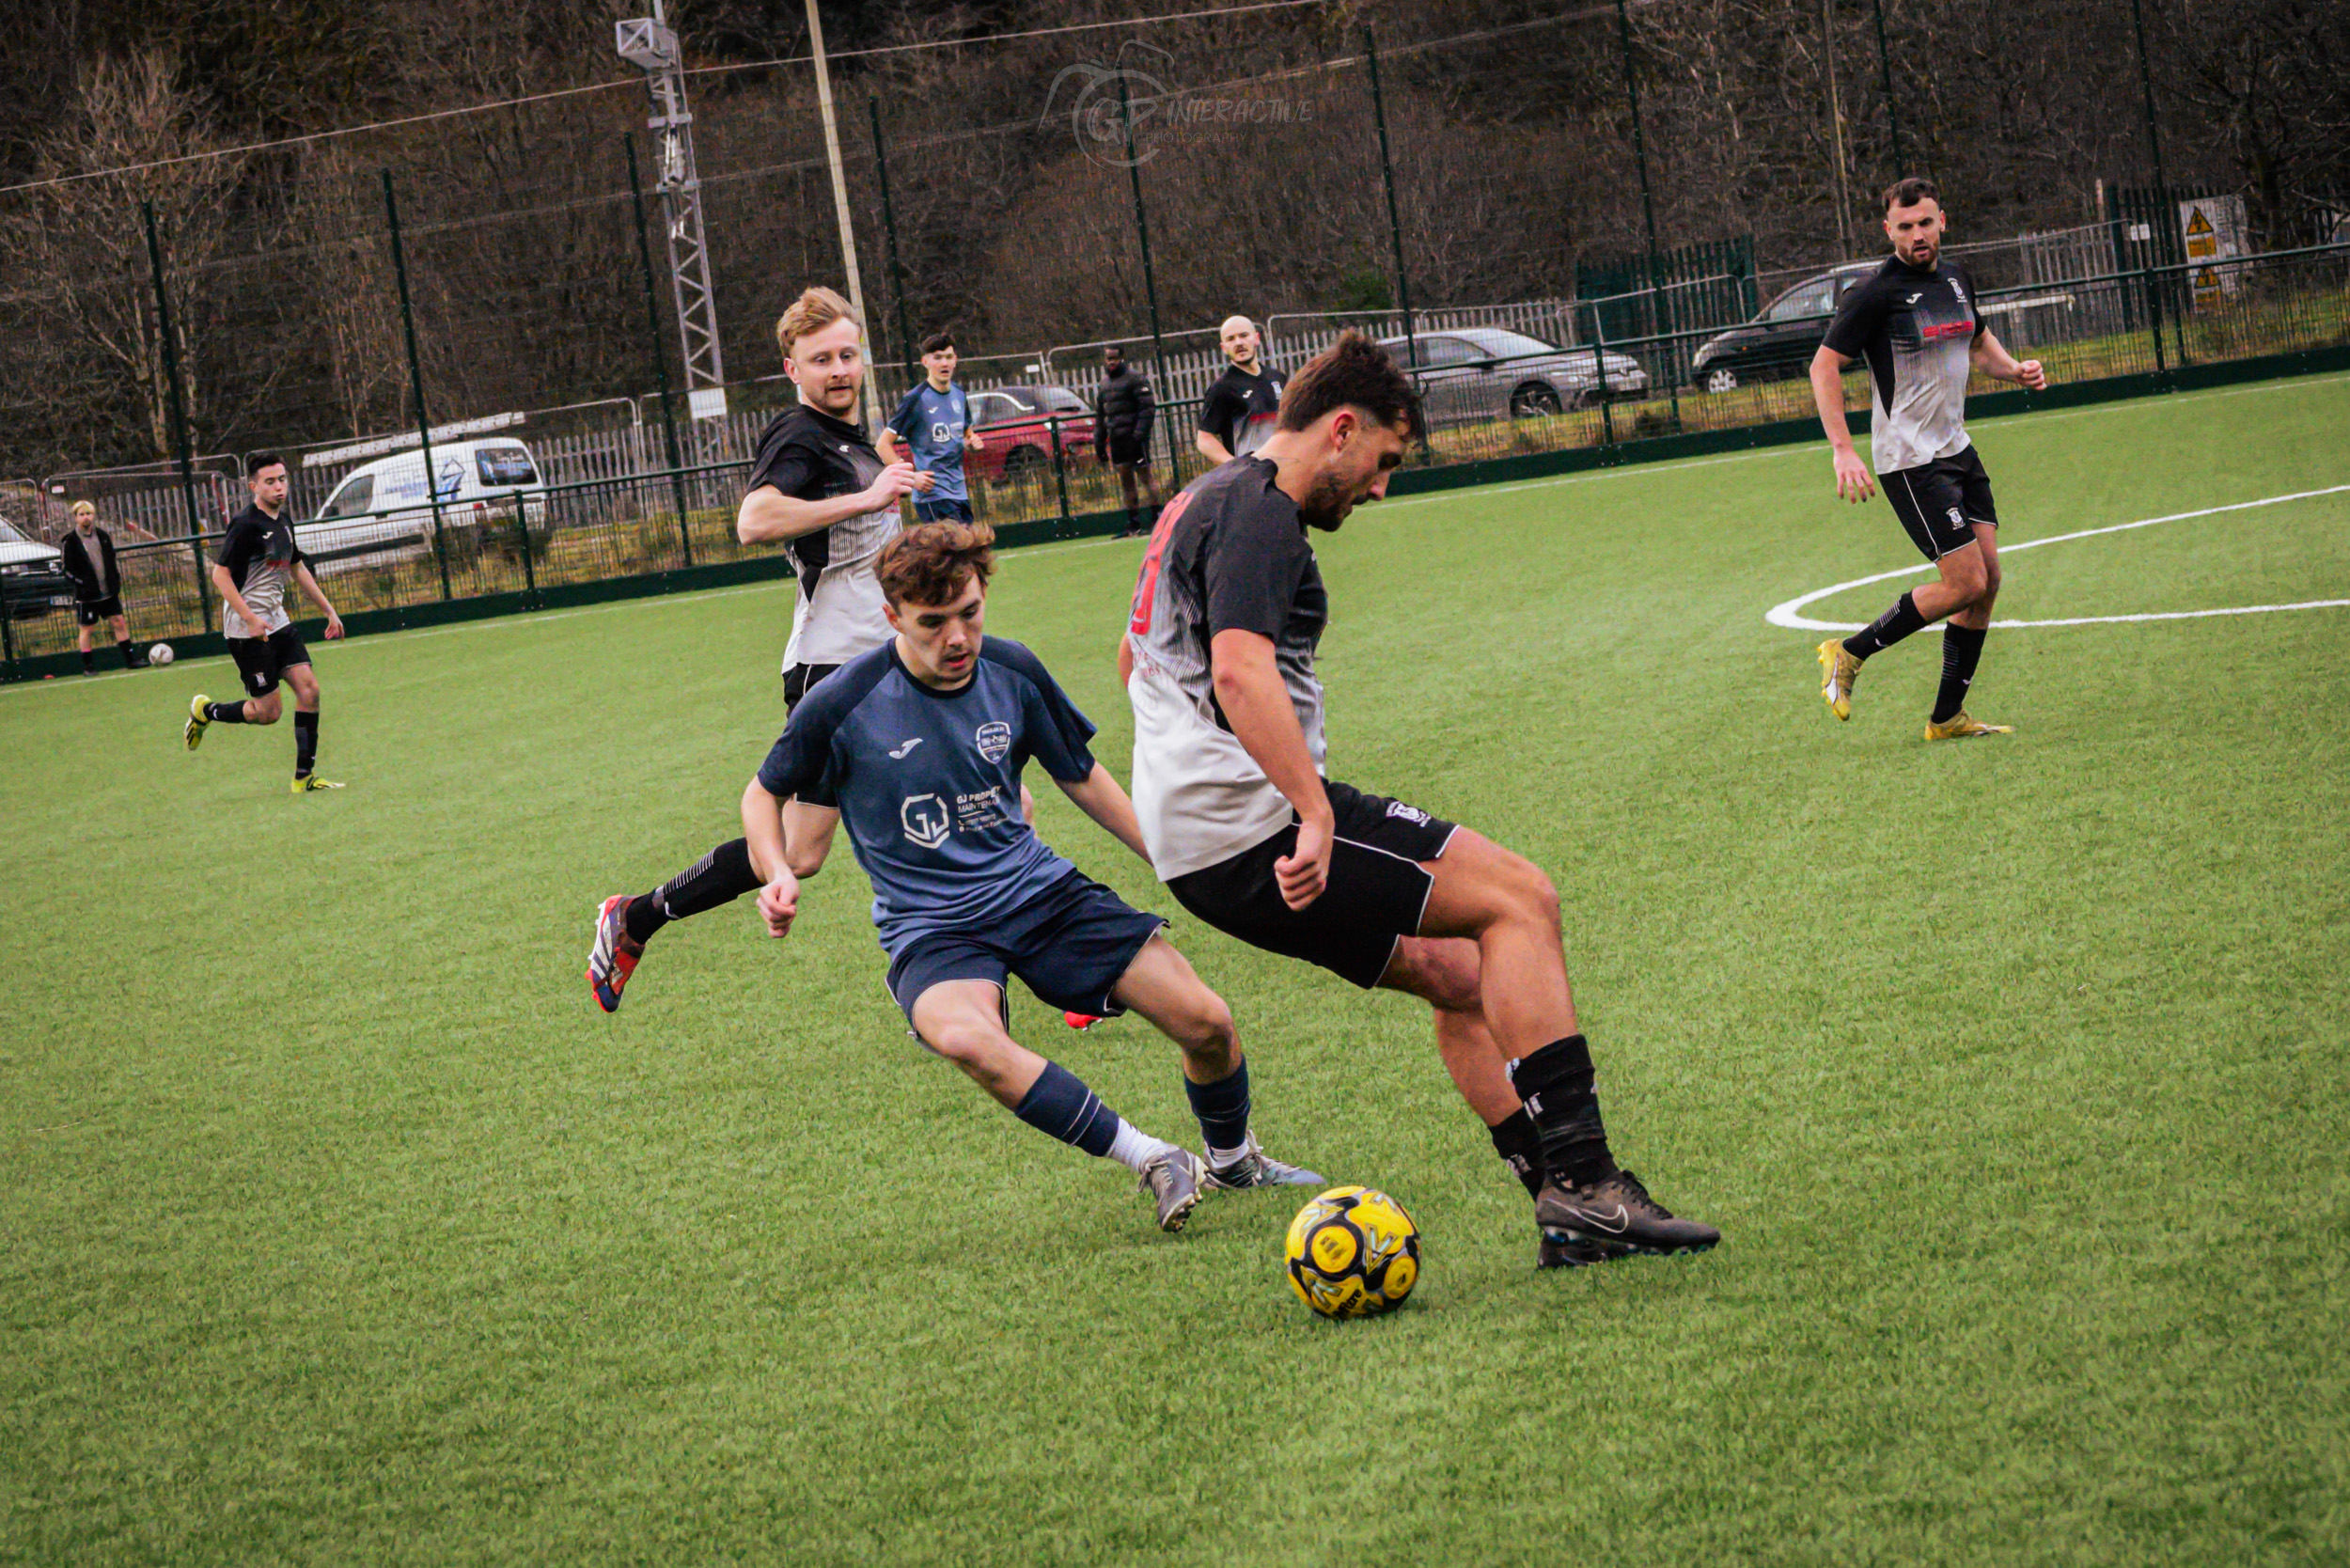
{"type": "Point", "coordinates": [994, 740]}
{"type": "Point", "coordinates": [924, 817]}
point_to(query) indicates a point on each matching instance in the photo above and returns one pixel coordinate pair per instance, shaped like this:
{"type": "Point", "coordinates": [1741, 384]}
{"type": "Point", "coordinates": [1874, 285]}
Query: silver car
{"type": "Point", "coordinates": [1486, 372]}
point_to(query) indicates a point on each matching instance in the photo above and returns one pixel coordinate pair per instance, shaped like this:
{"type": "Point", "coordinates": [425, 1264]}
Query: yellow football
{"type": "Point", "coordinates": [1353, 1252]}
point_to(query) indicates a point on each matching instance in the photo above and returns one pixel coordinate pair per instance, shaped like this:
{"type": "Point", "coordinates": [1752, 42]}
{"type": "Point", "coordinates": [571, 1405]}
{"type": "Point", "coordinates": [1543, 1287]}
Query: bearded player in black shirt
{"type": "Point", "coordinates": [1917, 323]}
{"type": "Point", "coordinates": [818, 487]}
{"type": "Point", "coordinates": [1249, 836]}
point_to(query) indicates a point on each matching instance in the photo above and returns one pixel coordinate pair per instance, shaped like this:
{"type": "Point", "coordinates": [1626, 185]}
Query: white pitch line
{"type": "Point", "coordinates": [1639, 470]}
{"type": "Point", "coordinates": [1790, 613]}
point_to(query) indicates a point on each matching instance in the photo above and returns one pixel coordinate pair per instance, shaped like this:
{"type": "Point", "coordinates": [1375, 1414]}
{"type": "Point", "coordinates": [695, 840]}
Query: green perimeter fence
{"type": "Point", "coordinates": [1496, 407]}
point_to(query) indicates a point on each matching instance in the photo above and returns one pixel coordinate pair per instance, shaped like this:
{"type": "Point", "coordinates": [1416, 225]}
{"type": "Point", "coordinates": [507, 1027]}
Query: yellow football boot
{"type": "Point", "coordinates": [1839, 670]}
{"type": "Point", "coordinates": [1958, 727]}
{"type": "Point", "coordinates": [307, 782]}
{"type": "Point", "coordinates": [198, 719]}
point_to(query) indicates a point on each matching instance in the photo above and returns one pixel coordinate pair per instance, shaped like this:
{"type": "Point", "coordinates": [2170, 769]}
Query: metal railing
{"type": "Point", "coordinates": [1046, 469]}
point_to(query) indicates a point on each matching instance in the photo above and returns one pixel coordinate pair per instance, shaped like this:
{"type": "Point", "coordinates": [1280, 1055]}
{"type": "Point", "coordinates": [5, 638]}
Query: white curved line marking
{"type": "Point", "coordinates": [1791, 615]}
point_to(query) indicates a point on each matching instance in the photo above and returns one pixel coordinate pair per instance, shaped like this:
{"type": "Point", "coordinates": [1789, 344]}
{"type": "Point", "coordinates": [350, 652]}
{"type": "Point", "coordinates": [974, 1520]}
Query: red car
{"type": "Point", "coordinates": [1015, 425]}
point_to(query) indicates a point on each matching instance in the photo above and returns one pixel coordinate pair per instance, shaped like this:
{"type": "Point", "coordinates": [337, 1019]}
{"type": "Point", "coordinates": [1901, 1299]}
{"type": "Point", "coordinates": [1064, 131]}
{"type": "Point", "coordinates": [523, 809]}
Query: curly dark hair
{"type": "Point", "coordinates": [930, 563]}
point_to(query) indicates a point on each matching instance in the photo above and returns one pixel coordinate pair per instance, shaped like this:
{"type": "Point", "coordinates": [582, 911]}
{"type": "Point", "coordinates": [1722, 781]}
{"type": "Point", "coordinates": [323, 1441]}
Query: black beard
{"type": "Point", "coordinates": [1325, 505]}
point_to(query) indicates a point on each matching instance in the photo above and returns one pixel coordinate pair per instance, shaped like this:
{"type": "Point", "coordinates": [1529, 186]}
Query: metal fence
{"type": "Point", "coordinates": [595, 525]}
{"type": "Point", "coordinates": [455, 292]}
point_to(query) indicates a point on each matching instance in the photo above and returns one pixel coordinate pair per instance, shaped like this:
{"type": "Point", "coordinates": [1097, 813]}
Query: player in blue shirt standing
{"type": "Point", "coordinates": [919, 746]}
{"type": "Point", "coordinates": [934, 419]}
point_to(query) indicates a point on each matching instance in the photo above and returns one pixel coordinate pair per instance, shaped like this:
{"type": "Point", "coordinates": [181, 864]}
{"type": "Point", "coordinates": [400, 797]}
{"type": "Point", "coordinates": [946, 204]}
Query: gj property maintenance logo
{"type": "Point", "coordinates": [1122, 113]}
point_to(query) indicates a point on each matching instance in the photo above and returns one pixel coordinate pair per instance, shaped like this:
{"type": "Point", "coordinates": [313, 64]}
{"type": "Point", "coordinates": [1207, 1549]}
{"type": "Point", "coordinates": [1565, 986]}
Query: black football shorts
{"type": "Point", "coordinates": [89, 612]}
{"type": "Point", "coordinates": [262, 662]}
{"type": "Point", "coordinates": [1377, 892]}
{"type": "Point", "coordinates": [1937, 501]}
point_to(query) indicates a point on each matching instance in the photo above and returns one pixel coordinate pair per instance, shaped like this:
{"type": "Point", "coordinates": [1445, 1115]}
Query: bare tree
{"type": "Point", "coordinates": [85, 236]}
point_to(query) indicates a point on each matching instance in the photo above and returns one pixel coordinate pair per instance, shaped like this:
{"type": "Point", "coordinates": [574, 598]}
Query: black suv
{"type": "Point", "coordinates": [1781, 341]}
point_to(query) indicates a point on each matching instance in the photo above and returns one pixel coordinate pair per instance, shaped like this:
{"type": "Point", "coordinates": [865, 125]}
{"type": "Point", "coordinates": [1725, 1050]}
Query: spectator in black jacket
{"type": "Point", "coordinates": [1122, 411]}
{"type": "Point", "coordinates": [88, 553]}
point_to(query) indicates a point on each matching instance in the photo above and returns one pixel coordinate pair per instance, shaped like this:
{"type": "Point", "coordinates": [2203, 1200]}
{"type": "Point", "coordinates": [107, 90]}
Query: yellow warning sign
{"type": "Point", "coordinates": [2210, 230]}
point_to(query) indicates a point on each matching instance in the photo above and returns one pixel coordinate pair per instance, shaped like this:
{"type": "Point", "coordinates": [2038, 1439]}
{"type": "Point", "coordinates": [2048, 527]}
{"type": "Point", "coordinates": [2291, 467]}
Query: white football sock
{"type": "Point", "coordinates": [1219, 1158]}
{"type": "Point", "coordinates": [1133, 1147]}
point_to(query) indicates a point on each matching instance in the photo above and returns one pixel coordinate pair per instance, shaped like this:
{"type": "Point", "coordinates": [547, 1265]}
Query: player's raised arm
{"type": "Point", "coordinates": [1991, 357]}
{"type": "Point", "coordinates": [768, 516]}
{"type": "Point", "coordinates": [1853, 479]}
{"type": "Point", "coordinates": [1256, 703]}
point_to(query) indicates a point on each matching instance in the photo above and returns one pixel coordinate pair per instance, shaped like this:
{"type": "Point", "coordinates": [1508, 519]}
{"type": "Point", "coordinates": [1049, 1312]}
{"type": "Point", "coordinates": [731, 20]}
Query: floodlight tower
{"type": "Point", "coordinates": [648, 42]}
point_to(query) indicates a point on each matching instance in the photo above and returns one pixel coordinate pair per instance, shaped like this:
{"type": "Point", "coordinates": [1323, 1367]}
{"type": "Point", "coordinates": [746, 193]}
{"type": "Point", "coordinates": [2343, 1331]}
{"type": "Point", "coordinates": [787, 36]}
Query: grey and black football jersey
{"type": "Point", "coordinates": [1915, 329]}
{"type": "Point", "coordinates": [1229, 552]}
{"type": "Point", "coordinates": [811, 456]}
{"type": "Point", "coordinates": [259, 552]}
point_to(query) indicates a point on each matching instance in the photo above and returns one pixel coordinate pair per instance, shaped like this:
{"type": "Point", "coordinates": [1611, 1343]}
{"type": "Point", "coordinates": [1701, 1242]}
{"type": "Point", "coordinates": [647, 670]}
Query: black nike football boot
{"type": "Point", "coordinates": [1611, 1218]}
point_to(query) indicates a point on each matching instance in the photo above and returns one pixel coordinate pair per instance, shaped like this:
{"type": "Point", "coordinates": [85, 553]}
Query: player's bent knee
{"type": "Point", "coordinates": [974, 1046]}
{"type": "Point", "coordinates": [1443, 972]}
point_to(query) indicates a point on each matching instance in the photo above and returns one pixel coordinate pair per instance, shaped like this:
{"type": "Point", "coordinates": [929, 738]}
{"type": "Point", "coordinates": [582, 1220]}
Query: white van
{"type": "Point", "coordinates": [380, 513]}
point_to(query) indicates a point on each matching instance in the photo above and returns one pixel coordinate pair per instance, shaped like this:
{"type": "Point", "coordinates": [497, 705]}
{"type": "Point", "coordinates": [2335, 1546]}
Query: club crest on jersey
{"type": "Point", "coordinates": [925, 820]}
{"type": "Point", "coordinates": [1409, 813]}
{"type": "Point", "coordinates": [993, 739]}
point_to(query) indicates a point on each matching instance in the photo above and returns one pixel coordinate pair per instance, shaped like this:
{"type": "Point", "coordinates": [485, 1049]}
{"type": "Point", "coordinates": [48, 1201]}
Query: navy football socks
{"type": "Point", "coordinates": [1061, 1105]}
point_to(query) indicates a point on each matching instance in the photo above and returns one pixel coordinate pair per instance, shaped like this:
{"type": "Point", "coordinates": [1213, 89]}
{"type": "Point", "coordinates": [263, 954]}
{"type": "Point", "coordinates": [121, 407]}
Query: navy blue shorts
{"type": "Point", "coordinates": [1070, 945]}
{"type": "Point", "coordinates": [943, 511]}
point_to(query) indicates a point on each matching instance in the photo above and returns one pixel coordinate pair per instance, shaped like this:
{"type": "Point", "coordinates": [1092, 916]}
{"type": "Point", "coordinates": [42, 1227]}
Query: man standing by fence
{"type": "Point", "coordinates": [1237, 416]}
{"type": "Point", "coordinates": [87, 555]}
{"type": "Point", "coordinates": [933, 420]}
{"type": "Point", "coordinates": [1122, 411]}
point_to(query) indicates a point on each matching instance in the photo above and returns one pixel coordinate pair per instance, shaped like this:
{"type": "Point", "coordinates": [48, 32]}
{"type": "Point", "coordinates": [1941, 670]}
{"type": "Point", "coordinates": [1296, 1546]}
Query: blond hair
{"type": "Point", "coordinates": [813, 311]}
{"type": "Point", "coordinates": [83, 509]}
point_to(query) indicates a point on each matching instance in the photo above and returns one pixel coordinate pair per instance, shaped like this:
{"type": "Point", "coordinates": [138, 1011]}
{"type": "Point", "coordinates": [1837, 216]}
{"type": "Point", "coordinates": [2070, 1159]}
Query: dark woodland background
{"type": "Point", "coordinates": [1511, 135]}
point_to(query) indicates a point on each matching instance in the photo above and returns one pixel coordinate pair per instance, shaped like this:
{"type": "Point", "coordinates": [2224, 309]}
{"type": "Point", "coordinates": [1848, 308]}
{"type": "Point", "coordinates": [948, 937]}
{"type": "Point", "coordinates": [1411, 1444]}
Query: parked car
{"type": "Point", "coordinates": [1486, 373]}
{"type": "Point", "coordinates": [33, 580]}
{"type": "Point", "coordinates": [1780, 340]}
{"type": "Point", "coordinates": [380, 513]}
{"type": "Point", "coordinates": [1015, 425]}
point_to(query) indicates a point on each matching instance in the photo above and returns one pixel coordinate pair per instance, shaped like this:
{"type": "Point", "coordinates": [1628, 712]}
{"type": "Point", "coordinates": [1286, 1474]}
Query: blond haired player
{"type": "Point", "coordinates": [818, 488]}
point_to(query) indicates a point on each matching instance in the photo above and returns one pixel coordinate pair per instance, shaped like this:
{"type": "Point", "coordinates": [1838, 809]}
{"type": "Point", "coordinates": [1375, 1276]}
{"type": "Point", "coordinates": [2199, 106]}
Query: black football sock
{"type": "Point", "coordinates": [718, 878]}
{"type": "Point", "coordinates": [1520, 1147]}
{"type": "Point", "coordinates": [1061, 1105]}
{"type": "Point", "coordinates": [1556, 1084]}
{"type": "Point", "coordinates": [130, 655]}
{"type": "Point", "coordinates": [1886, 629]}
{"type": "Point", "coordinates": [305, 742]}
{"type": "Point", "coordinates": [1961, 648]}
{"type": "Point", "coordinates": [89, 661]}
{"type": "Point", "coordinates": [225, 712]}
{"type": "Point", "coordinates": [1222, 1108]}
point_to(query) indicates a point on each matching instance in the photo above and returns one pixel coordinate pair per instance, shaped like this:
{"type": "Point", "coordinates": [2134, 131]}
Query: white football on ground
{"type": "Point", "coordinates": [159, 654]}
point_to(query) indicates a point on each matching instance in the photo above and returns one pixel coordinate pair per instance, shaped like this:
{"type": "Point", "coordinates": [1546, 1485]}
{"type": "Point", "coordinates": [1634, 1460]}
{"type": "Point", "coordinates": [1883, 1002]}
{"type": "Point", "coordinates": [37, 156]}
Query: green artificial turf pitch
{"type": "Point", "coordinates": [338, 1226]}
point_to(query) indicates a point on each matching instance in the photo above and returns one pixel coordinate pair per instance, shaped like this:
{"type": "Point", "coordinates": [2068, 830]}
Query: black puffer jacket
{"type": "Point", "coordinates": [95, 577]}
{"type": "Point", "coordinates": [1122, 408]}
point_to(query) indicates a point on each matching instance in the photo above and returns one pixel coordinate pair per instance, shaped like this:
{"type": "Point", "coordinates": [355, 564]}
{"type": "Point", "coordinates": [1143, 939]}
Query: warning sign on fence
{"type": "Point", "coordinates": [2213, 229]}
